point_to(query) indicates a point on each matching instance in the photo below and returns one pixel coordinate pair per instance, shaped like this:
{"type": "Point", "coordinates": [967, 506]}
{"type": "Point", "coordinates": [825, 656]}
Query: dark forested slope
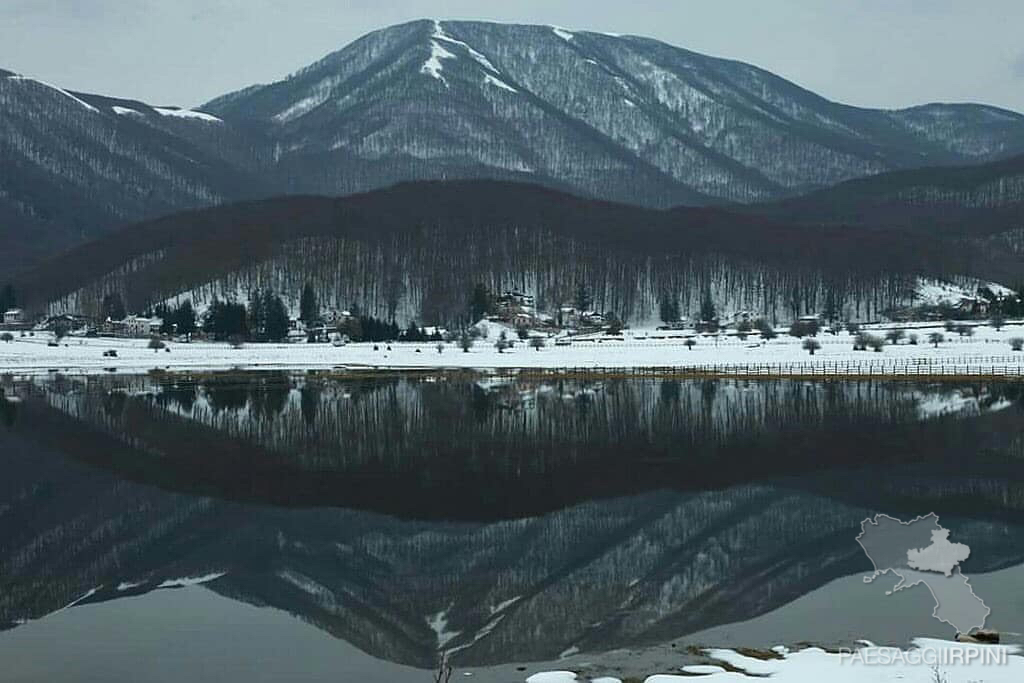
{"type": "Point", "coordinates": [416, 250]}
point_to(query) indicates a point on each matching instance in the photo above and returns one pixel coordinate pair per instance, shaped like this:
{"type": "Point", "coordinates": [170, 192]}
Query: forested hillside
{"type": "Point", "coordinates": [415, 252]}
{"type": "Point", "coordinates": [73, 167]}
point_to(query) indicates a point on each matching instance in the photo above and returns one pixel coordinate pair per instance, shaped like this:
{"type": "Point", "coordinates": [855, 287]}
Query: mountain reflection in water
{"type": "Point", "coordinates": [501, 519]}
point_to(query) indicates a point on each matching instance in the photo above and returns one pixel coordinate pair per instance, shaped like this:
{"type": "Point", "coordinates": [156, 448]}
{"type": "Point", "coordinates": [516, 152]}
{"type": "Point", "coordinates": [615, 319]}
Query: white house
{"type": "Point", "coordinates": [14, 316]}
{"type": "Point", "coordinates": [138, 326]}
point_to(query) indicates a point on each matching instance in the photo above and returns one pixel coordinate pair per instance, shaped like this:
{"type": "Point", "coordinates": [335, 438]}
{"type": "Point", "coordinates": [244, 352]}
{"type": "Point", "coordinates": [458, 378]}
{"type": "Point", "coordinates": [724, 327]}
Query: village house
{"type": "Point", "coordinates": [335, 318]}
{"type": "Point", "coordinates": [513, 303]}
{"type": "Point", "coordinates": [68, 321]}
{"type": "Point", "coordinates": [138, 327]}
{"type": "Point", "coordinates": [14, 316]}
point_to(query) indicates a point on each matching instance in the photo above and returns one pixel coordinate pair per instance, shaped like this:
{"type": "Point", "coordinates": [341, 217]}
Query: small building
{"type": "Point", "coordinates": [739, 317]}
{"type": "Point", "coordinates": [14, 316]}
{"type": "Point", "coordinates": [334, 317]}
{"type": "Point", "coordinates": [137, 327]}
{"type": "Point", "coordinates": [66, 321]}
{"type": "Point", "coordinates": [514, 302]}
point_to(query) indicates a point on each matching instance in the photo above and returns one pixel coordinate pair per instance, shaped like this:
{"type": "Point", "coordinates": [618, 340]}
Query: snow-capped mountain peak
{"type": "Point", "coordinates": [622, 117]}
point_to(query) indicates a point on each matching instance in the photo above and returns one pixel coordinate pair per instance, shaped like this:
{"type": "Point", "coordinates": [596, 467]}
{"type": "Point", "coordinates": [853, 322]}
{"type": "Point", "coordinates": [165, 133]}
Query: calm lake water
{"type": "Point", "coordinates": [265, 526]}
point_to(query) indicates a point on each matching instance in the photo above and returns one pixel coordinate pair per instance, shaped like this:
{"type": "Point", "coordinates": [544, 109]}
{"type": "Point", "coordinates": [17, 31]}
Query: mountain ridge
{"type": "Point", "coordinates": [623, 118]}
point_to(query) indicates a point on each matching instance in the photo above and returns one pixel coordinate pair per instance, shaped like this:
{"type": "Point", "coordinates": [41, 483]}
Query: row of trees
{"type": "Point", "coordinates": [177, 319]}
{"type": "Point", "coordinates": [670, 312]}
{"type": "Point", "coordinates": [265, 319]}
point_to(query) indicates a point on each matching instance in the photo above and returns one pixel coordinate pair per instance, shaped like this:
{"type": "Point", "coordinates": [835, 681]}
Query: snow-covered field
{"type": "Point", "coordinates": [988, 350]}
{"type": "Point", "coordinates": [928, 661]}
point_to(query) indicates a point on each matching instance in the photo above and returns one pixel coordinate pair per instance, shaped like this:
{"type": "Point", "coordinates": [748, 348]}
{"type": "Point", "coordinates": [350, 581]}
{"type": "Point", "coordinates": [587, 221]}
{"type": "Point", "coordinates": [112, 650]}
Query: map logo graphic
{"type": "Point", "coordinates": [920, 552]}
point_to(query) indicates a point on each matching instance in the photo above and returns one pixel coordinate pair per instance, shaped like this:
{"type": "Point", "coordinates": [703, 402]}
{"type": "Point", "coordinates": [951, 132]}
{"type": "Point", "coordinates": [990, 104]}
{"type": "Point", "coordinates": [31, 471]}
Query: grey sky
{"type": "Point", "coordinates": [883, 53]}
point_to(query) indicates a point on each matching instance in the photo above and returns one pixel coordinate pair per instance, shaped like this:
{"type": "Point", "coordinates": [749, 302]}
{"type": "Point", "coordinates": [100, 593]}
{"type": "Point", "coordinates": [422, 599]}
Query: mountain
{"type": "Point", "coordinates": [979, 207]}
{"type": "Point", "coordinates": [73, 166]}
{"type": "Point", "coordinates": [618, 117]}
{"type": "Point", "coordinates": [415, 252]}
{"type": "Point", "coordinates": [971, 199]}
{"type": "Point", "coordinates": [614, 117]}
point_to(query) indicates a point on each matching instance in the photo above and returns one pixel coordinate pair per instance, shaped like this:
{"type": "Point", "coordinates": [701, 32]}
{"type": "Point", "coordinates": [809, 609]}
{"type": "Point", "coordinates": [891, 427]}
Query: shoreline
{"type": "Point", "coordinates": [981, 358]}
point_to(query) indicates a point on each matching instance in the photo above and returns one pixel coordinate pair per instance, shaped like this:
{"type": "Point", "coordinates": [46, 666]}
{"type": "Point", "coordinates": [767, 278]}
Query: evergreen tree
{"type": "Point", "coordinates": [413, 333]}
{"type": "Point", "coordinates": [583, 299]}
{"type": "Point", "coordinates": [707, 308]}
{"type": "Point", "coordinates": [113, 307]}
{"type": "Point", "coordinates": [256, 315]}
{"type": "Point", "coordinates": [480, 302]}
{"type": "Point", "coordinates": [309, 307]}
{"type": "Point", "coordinates": [275, 317]}
{"type": "Point", "coordinates": [373, 329]}
{"type": "Point", "coordinates": [352, 328]}
{"type": "Point", "coordinates": [224, 320]}
{"type": "Point", "coordinates": [831, 311]}
{"type": "Point", "coordinates": [185, 318]}
{"type": "Point", "coordinates": [8, 298]}
{"type": "Point", "coordinates": [669, 308]}
{"type": "Point", "coordinates": [180, 320]}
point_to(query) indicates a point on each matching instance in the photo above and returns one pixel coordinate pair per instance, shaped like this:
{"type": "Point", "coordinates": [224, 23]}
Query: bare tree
{"type": "Point", "coordinates": [503, 342]}
{"type": "Point", "coordinates": [60, 330]}
{"type": "Point", "coordinates": [1017, 343]}
{"type": "Point", "coordinates": [872, 342]}
{"type": "Point", "coordinates": [537, 343]}
{"type": "Point", "coordinates": [936, 338]}
{"type": "Point", "coordinates": [811, 345]}
{"type": "Point", "coordinates": [690, 343]}
{"type": "Point", "coordinates": [894, 336]}
{"type": "Point", "coordinates": [765, 328]}
{"type": "Point", "coordinates": [465, 341]}
{"type": "Point", "coordinates": [997, 321]}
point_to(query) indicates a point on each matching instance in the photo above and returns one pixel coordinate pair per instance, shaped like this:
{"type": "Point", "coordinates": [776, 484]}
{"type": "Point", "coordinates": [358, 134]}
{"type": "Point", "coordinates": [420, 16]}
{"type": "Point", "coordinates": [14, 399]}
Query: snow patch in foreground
{"type": "Point", "coordinates": [552, 677]}
{"type": "Point", "coordinates": [191, 580]}
{"type": "Point", "coordinates": [868, 664]}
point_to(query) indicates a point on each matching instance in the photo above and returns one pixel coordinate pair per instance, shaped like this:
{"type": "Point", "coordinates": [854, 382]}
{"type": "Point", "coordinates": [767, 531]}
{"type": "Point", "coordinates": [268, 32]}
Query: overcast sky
{"type": "Point", "coordinates": [880, 53]}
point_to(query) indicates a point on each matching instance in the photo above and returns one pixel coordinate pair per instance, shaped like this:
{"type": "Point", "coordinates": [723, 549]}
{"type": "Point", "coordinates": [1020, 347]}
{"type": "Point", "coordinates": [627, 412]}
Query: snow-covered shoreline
{"type": "Point", "coordinates": [928, 659]}
{"type": "Point", "coordinates": [987, 352]}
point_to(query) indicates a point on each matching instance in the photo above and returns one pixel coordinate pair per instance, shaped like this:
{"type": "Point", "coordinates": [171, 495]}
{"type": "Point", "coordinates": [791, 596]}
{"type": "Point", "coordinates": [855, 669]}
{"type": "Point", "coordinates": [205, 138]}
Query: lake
{"type": "Point", "coordinates": [303, 526]}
